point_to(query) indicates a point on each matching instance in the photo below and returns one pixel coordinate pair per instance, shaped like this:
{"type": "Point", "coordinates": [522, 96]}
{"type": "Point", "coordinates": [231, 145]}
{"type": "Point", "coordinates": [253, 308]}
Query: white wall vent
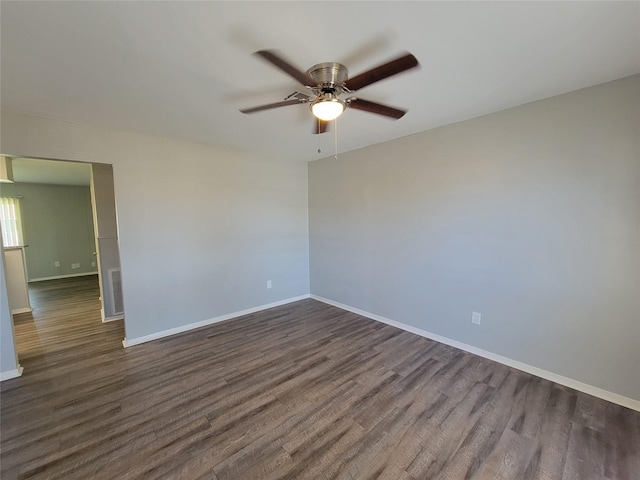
{"type": "Point", "coordinates": [115, 282]}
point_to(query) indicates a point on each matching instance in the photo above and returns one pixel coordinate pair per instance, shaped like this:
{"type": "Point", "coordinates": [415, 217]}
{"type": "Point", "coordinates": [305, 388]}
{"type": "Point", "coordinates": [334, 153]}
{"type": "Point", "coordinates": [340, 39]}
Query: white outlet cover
{"type": "Point", "coordinates": [268, 283]}
{"type": "Point", "coordinates": [476, 317]}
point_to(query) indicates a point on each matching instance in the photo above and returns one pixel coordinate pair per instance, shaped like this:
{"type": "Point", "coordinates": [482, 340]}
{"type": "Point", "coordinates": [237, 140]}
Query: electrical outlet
{"type": "Point", "coordinates": [56, 263]}
{"type": "Point", "coordinates": [268, 283]}
{"type": "Point", "coordinates": [93, 264]}
{"type": "Point", "coordinates": [475, 318]}
{"type": "Point", "coordinates": [75, 265]}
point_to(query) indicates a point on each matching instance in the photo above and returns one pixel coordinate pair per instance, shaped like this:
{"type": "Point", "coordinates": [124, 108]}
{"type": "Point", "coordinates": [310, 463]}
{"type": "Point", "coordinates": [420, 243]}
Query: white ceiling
{"type": "Point", "coordinates": [183, 69]}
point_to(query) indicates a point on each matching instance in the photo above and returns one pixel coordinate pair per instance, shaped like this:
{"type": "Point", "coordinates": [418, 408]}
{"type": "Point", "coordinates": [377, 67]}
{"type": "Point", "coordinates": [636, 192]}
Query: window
{"type": "Point", "coordinates": [11, 224]}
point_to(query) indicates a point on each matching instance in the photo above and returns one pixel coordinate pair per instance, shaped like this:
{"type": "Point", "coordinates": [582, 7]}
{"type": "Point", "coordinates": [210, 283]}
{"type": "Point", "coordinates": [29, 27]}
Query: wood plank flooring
{"type": "Point", "coordinates": [302, 391]}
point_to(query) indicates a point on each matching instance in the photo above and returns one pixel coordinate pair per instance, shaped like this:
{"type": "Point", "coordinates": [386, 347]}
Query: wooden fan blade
{"type": "Point", "coordinates": [268, 106]}
{"type": "Point", "coordinates": [320, 126]}
{"type": "Point", "coordinates": [272, 57]}
{"type": "Point", "coordinates": [378, 108]}
{"type": "Point", "coordinates": [381, 72]}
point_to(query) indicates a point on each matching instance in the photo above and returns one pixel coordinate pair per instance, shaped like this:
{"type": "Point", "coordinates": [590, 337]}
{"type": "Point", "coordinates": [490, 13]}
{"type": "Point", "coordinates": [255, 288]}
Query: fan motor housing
{"type": "Point", "coordinates": [329, 73]}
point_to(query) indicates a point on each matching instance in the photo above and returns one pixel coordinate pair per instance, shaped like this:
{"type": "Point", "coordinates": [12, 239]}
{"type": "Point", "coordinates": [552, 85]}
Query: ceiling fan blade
{"type": "Point", "coordinates": [381, 72]}
{"type": "Point", "coordinates": [268, 106]}
{"type": "Point", "coordinates": [320, 126]}
{"type": "Point", "coordinates": [275, 59]}
{"type": "Point", "coordinates": [378, 108]}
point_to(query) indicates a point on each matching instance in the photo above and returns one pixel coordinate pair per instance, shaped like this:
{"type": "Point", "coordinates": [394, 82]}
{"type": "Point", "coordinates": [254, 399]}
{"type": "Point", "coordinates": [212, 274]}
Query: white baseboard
{"type": "Point", "coordinates": [22, 310]}
{"type": "Point", "coordinates": [553, 377]}
{"type": "Point", "coordinates": [9, 374]}
{"type": "Point", "coordinates": [56, 277]}
{"type": "Point", "coordinates": [111, 319]}
{"type": "Point", "coordinates": [191, 326]}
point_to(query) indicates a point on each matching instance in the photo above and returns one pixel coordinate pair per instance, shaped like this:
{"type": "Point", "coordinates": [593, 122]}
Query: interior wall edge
{"type": "Point", "coordinates": [607, 395]}
{"type": "Point", "coordinates": [114, 318]}
{"type": "Point", "coordinates": [203, 323]}
{"type": "Point", "coordinates": [57, 277]}
{"type": "Point", "coordinates": [9, 374]}
{"type": "Point", "coordinates": [22, 310]}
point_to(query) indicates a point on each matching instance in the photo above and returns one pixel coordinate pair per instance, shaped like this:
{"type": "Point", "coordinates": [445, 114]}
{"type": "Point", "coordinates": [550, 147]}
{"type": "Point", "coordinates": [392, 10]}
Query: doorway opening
{"type": "Point", "coordinates": [69, 257]}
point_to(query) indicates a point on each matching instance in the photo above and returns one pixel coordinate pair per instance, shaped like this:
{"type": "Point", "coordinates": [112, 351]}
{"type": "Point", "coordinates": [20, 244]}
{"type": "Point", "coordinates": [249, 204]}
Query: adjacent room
{"type": "Point", "coordinates": [392, 240]}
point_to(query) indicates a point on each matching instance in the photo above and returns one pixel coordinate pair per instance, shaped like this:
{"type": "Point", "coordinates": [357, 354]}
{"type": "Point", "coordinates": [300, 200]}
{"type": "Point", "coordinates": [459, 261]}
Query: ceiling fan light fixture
{"type": "Point", "coordinates": [327, 108]}
{"type": "Point", "coordinates": [328, 81]}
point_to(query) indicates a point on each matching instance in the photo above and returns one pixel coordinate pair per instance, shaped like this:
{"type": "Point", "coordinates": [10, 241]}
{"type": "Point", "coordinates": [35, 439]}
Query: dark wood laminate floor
{"type": "Point", "coordinates": [303, 391]}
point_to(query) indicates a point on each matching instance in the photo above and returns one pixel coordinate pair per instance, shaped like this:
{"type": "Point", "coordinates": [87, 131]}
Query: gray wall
{"type": "Point", "coordinates": [201, 229]}
{"type": "Point", "coordinates": [8, 358]}
{"type": "Point", "coordinates": [530, 216]}
{"type": "Point", "coordinates": [57, 224]}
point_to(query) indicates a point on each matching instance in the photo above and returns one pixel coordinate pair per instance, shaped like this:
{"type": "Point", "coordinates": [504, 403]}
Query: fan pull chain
{"type": "Point", "coordinates": [335, 137]}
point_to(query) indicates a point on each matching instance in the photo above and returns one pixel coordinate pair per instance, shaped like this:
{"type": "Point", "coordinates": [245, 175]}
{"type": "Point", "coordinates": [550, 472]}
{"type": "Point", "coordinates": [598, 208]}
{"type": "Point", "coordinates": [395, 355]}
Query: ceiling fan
{"type": "Point", "coordinates": [330, 88]}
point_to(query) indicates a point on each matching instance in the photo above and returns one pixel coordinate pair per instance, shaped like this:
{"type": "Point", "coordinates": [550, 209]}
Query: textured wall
{"type": "Point", "coordinates": [201, 229]}
{"type": "Point", "coordinates": [57, 224]}
{"type": "Point", "coordinates": [530, 216]}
